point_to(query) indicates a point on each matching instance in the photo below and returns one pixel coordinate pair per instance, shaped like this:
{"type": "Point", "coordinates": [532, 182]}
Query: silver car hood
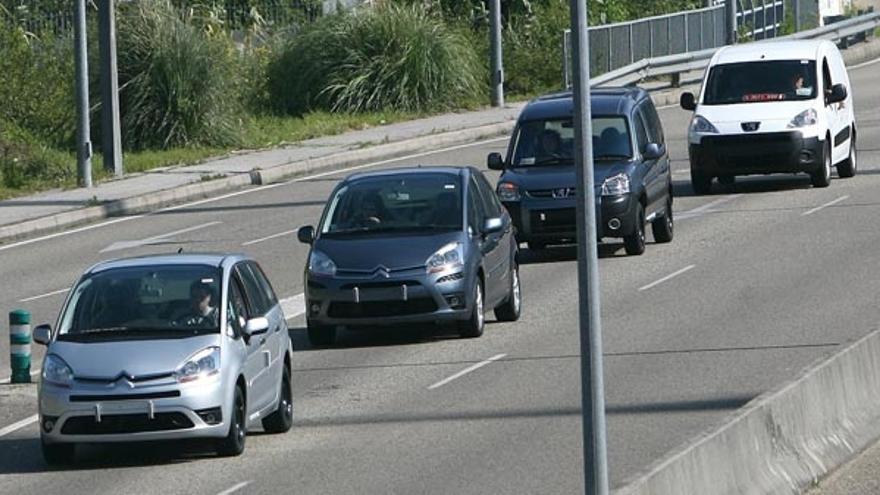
{"type": "Point", "coordinates": [135, 358]}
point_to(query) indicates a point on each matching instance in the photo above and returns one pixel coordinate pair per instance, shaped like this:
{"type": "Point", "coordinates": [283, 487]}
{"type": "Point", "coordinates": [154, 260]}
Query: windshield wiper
{"type": "Point", "coordinates": [379, 230]}
{"type": "Point", "coordinates": [611, 157]}
{"type": "Point", "coordinates": [104, 330]}
{"type": "Point", "coordinates": [556, 160]}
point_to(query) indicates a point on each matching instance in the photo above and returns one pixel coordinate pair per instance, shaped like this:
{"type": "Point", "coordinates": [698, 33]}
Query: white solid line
{"type": "Point", "coordinates": [240, 193]}
{"type": "Point", "coordinates": [48, 294]}
{"type": "Point", "coordinates": [826, 205]}
{"type": "Point", "coordinates": [293, 306]}
{"type": "Point", "coordinates": [18, 425]}
{"type": "Point", "coordinates": [280, 234]}
{"type": "Point", "coordinates": [235, 488]}
{"type": "Point", "coordinates": [706, 208]}
{"type": "Point", "coordinates": [466, 371]}
{"type": "Point", "coordinates": [865, 64]}
{"type": "Point", "coordinates": [666, 278]}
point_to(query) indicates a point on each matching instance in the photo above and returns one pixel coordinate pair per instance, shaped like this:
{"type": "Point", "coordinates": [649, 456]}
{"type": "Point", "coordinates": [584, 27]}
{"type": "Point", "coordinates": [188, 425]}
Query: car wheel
{"type": "Point", "coordinates": [726, 180]}
{"type": "Point", "coordinates": [321, 334]}
{"type": "Point", "coordinates": [512, 307]}
{"type": "Point", "coordinates": [635, 242]}
{"type": "Point", "coordinates": [701, 183]}
{"type": "Point", "coordinates": [822, 177]}
{"type": "Point", "coordinates": [473, 326]}
{"type": "Point", "coordinates": [537, 245]}
{"type": "Point", "coordinates": [281, 420]}
{"type": "Point", "coordinates": [663, 226]}
{"type": "Point", "coordinates": [233, 444]}
{"type": "Point", "coordinates": [58, 454]}
{"type": "Point", "coordinates": [848, 167]}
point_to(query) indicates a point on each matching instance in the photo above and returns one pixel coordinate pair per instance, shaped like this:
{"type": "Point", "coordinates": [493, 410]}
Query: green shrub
{"type": "Point", "coordinates": [25, 162]}
{"type": "Point", "coordinates": [174, 79]}
{"type": "Point", "coordinates": [532, 49]}
{"type": "Point", "coordinates": [387, 57]}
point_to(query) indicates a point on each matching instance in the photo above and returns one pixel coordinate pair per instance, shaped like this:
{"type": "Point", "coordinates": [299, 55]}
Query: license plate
{"type": "Point", "coordinates": [125, 407]}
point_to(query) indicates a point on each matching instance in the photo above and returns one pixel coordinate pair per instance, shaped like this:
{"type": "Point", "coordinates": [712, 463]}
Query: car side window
{"type": "Point", "coordinates": [263, 281]}
{"type": "Point", "coordinates": [475, 208]}
{"type": "Point", "coordinates": [655, 127]}
{"type": "Point", "coordinates": [259, 305]}
{"type": "Point", "coordinates": [236, 308]}
{"type": "Point", "coordinates": [641, 132]}
{"type": "Point", "coordinates": [826, 76]}
{"type": "Point", "coordinates": [490, 201]}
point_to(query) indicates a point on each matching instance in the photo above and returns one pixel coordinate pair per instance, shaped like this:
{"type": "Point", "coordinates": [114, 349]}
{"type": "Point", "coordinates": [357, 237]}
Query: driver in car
{"type": "Point", "coordinates": [201, 311]}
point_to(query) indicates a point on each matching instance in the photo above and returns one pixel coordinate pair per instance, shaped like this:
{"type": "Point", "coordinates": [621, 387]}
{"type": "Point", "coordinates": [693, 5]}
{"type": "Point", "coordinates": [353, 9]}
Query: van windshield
{"type": "Point", "coordinates": [754, 82]}
{"type": "Point", "coordinates": [551, 142]}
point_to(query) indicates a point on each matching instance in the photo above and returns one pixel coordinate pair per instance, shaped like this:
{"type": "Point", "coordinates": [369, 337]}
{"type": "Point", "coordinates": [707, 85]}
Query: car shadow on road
{"type": "Point", "coordinates": [566, 253]}
{"type": "Point", "coordinates": [23, 455]}
{"type": "Point", "coordinates": [399, 335]}
{"type": "Point", "coordinates": [745, 185]}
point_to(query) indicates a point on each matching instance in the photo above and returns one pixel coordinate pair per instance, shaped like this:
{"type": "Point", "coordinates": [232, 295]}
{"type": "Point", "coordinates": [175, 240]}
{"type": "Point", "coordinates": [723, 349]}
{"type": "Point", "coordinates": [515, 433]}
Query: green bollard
{"type": "Point", "coordinates": [20, 346]}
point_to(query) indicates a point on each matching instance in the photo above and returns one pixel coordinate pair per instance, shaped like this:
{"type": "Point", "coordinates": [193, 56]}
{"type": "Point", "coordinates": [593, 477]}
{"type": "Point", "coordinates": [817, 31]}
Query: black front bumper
{"type": "Point", "coordinates": [555, 220]}
{"type": "Point", "coordinates": [747, 154]}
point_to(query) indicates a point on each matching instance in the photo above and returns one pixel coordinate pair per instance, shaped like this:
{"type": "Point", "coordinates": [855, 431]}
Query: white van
{"type": "Point", "coordinates": [772, 107]}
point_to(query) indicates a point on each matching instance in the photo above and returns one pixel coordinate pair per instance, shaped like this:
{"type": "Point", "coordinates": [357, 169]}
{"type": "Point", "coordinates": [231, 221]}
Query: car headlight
{"type": "Point", "coordinates": [699, 124]}
{"type": "Point", "coordinates": [616, 185]}
{"type": "Point", "coordinates": [806, 118]}
{"type": "Point", "coordinates": [201, 364]}
{"type": "Point", "coordinates": [449, 256]}
{"type": "Point", "coordinates": [321, 264]}
{"type": "Point", "coordinates": [56, 371]}
{"type": "Point", "coordinates": [508, 192]}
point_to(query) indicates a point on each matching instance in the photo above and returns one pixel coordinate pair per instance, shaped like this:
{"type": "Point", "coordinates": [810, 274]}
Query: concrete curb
{"type": "Point", "coordinates": [783, 441]}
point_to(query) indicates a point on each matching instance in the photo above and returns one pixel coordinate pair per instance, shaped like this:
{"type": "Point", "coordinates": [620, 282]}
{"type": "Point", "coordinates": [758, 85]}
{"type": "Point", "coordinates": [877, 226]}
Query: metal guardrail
{"type": "Point", "coordinates": [686, 62]}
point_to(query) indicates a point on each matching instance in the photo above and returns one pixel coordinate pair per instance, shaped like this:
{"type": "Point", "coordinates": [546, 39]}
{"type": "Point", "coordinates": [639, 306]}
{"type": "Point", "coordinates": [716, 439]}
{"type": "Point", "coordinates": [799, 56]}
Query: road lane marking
{"type": "Point", "coordinates": [666, 278]}
{"type": "Point", "coordinates": [865, 64]}
{"type": "Point", "coordinates": [293, 306]}
{"type": "Point", "coordinates": [273, 236]}
{"type": "Point", "coordinates": [155, 239]}
{"type": "Point", "coordinates": [19, 425]}
{"type": "Point", "coordinates": [36, 372]}
{"type": "Point", "coordinates": [48, 294]}
{"type": "Point", "coordinates": [826, 205]}
{"type": "Point", "coordinates": [243, 192]}
{"type": "Point", "coordinates": [466, 371]}
{"type": "Point", "coordinates": [706, 208]}
{"type": "Point", "coordinates": [235, 488]}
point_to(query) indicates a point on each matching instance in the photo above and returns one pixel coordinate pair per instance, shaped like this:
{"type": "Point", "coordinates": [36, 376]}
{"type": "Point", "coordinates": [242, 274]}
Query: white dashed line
{"type": "Point", "coordinates": [293, 306]}
{"type": "Point", "coordinates": [235, 488]}
{"type": "Point", "coordinates": [666, 278]}
{"type": "Point", "coordinates": [466, 371]}
{"type": "Point", "coordinates": [18, 425]}
{"type": "Point", "coordinates": [48, 294]}
{"type": "Point", "coordinates": [706, 208]}
{"type": "Point", "coordinates": [826, 205]}
{"type": "Point", "coordinates": [273, 236]}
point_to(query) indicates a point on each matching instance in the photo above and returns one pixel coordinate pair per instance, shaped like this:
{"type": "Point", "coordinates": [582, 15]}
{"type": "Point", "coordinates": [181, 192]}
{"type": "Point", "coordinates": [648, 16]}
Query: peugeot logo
{"type": "Point", "coordinates": [750, 126]}
{"type": "Point", "coordinates": [561, 193]}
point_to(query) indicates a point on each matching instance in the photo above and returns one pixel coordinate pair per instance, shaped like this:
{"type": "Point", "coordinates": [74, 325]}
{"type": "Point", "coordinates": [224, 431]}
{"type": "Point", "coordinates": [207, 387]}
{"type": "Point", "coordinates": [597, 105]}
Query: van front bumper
{"type": "Point", "coordinates": [749, 154]}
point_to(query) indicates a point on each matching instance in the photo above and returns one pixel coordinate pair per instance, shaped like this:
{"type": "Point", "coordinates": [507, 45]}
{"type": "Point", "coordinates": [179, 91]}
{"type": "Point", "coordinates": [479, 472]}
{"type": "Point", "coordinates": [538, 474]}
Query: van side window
{"type": "Point", "coordinates": [641, 133]}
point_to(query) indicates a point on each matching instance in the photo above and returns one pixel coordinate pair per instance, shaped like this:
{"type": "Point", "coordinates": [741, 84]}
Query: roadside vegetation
{"type": "Point", "coordinates": [199, 80]}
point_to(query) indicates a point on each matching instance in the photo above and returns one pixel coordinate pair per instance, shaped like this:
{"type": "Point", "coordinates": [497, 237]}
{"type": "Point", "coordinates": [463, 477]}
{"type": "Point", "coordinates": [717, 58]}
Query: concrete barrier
{"type": "Point", "coordinates": [784, 440]}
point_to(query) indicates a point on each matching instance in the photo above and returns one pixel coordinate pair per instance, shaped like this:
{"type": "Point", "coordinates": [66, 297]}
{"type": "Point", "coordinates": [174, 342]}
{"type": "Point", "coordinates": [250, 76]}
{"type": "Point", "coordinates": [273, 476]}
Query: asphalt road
{"type": "Point", "coordinates": [769, 275]}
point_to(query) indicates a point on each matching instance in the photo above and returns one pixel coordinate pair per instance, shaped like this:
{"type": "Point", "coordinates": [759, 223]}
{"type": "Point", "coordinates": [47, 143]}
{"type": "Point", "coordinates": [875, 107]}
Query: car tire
{"type": "Point", "coordinates": [634, 244]}
{"type": "Point", "coordinates": [727, 180]}
{"type": "Point", "coordinates": [701, 183]}
{"type": "Point", "coordinates": [320, 335]}
{"type": "Point", "coordinates": [822, 177]}
{"type": "Point", "coordinates": [473, 326]}
{"type": "Point", "coordinates": [281, 420]}
{"type": "Point", "coordinates": [233, 443]}
{"type": "Point", "coordinates": [58, 454]}
{"type": "Point", "coordinates": [663, 227]}
{"type": "Point", "coordinates": [537, 245]}
{"type": "Point", "coordinates": [848, 167]}
{"type": "Point", "coordinates": [511, 309]}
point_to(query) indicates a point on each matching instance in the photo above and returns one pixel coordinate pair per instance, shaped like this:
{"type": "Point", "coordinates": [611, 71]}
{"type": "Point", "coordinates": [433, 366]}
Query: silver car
{"type": "Point", "coordinates": [165, 347]}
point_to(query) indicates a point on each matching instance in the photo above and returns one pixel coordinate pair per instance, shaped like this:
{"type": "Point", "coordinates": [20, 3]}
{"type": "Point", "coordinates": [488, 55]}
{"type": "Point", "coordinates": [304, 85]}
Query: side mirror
{"type": "Point", "coordinates": [688, 101]}
{"type": "Point", "coordinates": [654, 151]}
{"type": "Point", "coordinates": [493, 225]}
{"type": "Point", "coordinates": [306, 235]}
{"type": "Point", "coordinates": [256, 326]}
{"type": "Point", "coordinates": [42, 334]}
{"type": "Point", "coordinates": [838, 93]}
{"type": "Point", "coordinates": [495, 162]}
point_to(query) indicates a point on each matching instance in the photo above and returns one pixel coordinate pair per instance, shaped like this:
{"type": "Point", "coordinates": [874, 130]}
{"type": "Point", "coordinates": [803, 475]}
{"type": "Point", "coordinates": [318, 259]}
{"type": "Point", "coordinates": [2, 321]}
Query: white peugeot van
{"type": "Point", "coordinates": [772, 107]}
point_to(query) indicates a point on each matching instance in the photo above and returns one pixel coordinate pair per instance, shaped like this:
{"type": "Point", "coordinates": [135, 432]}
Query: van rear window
{"type": "Point", "coordinates": [753, 82]}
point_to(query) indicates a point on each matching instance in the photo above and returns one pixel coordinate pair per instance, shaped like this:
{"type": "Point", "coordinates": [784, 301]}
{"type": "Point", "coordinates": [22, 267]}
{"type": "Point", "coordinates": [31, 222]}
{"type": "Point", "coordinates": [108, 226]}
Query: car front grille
{"type": "Point", "coordinates": [740, 150]}
{"type": "Point", "coordinates": [125, 423]}
{"type": "Point", "coordinates": [558, 193]}
{"type": "Point", "coordinates": [553, 221]}
{"type": "Point", "coordinates": [374, 309]}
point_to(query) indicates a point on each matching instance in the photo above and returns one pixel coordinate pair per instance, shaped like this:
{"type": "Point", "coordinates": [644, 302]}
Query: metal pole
{"type": "Point", "coordinates": [83, 135]}
{"type": "Point", "coordinates": [592, 386]}
{"type": "Point", "coordinates": [566, 59]}
{"type": "Point", "coordinates": [495, 49]}
{"type": "Point", "coordinates": [796, 11]}
{"type": "Point", "coordinates": [111, 139]}
{"type": "Point", "coordinates": [730, 20]}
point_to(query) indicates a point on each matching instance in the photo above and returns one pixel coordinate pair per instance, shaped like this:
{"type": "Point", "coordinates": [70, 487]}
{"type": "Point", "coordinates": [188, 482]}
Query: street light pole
{"type": "Point", "coordinates": [495, 48]}
{"type": "Point", "coordinates": [592, 382]}
{"type": "Point", "coordinates": [111, 139]}
{"type": "Point", "coordinates": [83, 134]}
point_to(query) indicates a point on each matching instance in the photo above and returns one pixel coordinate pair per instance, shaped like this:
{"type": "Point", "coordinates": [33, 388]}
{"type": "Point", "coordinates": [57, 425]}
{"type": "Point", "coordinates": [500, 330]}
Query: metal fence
{"type": "Point", "coordinates": [617, 45]}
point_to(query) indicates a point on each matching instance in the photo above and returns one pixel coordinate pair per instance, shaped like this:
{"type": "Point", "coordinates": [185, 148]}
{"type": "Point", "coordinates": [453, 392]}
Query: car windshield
{"type": "Point", "coordinates": [551, 142]}
{"type": "Point", "coordinates": [395, 203]}
{"type": "Point", "coordinates": [753, 82]}
{"type": "Point", "coordinates": [144, 302]}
